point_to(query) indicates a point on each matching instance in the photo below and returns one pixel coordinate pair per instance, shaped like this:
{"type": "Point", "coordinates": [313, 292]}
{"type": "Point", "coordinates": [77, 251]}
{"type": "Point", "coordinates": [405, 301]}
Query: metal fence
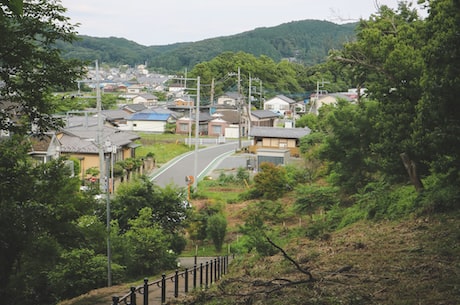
{"type": "Point", "coordinates": [180, 283]}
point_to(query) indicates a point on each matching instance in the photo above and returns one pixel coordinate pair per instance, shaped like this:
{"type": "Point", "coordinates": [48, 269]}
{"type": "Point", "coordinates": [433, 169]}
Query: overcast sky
{"type": "Point", "coordinates": [151, 22]}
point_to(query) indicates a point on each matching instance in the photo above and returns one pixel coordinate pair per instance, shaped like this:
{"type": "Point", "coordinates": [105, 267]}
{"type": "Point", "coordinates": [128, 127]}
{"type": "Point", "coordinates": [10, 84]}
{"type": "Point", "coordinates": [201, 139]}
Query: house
{"type": "Point", "coordinates": [217, 126]}
{"type": "Point", "coordinates": [317, 101]}
{"type": "Point", "coordinates": [280, 104]}
{"type": "Point", "coordinates": [277, 138]}
{"type": "Point", "coordinates": [186, 124]}
{"type": "Point", "coordinates": [150, 121]}
{"type": "Point", "coordinates": [132, 108]}
{"type": "Point", "coordinates": [134, 89]}
{"type": "Point", "coordinates": [116, 117]}
{"type": "Point", "coordinates": [265, 118]}
{"type": "Point", "coordinates": [229, 99]}
{"type": "Point", "coordinates": [44, 148]}
{"type": "Point", "coordinates": [81, 143]}
{"type": "Point", "coordinates": [233, 118]}
{"type": "Point", "coordinates": [146, 99]}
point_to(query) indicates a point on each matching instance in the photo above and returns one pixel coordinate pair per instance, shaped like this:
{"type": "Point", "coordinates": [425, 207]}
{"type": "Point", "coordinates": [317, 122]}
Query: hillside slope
{"type": "Point", "coordinates": [307, 41]}
{"type": "Point", "coordinates": [415, 261]}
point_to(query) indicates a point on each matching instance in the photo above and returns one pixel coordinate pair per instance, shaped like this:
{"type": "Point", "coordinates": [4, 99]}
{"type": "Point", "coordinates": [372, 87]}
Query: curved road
{"type": "Point", "coordinates": [175, 171]}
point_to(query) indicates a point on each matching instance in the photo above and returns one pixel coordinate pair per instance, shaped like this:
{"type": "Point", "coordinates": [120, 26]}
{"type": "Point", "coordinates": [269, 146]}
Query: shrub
{"type": "Point", "coordinates": [271, 181]}
{"type": "Point", "coordinates": [312, 197]}
{"type": "Point", "coordinates": [216, 229]}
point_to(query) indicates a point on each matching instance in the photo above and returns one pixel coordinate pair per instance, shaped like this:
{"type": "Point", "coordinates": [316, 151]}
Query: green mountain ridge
{"type": "Point", "coordinates": [307, 42]}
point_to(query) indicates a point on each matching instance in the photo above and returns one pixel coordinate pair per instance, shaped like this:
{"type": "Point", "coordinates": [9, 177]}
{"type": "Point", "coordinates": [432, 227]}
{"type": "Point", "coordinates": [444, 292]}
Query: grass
{"type": "Point", "coordinates": [164, 147]}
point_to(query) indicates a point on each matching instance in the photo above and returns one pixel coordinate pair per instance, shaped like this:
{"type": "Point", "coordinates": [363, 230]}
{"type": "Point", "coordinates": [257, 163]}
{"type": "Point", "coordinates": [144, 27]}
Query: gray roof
{"type": "Point", "coordinates": [117, 114]}
{"type": "Point", "coordinates": [134, 107]}
{"type": "Point", "coordinates": [83, 139]}
{"type": "Point", "coordinates": [263, 114]}
{"type": "Point", "coordinates": [274, 132]}
{"type": "Point", "coordinates": [284, 98]}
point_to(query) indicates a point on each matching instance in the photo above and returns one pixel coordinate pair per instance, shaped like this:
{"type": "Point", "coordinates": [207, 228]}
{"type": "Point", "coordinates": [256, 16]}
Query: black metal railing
{"type": "Point", "coordinates": [157, 291]}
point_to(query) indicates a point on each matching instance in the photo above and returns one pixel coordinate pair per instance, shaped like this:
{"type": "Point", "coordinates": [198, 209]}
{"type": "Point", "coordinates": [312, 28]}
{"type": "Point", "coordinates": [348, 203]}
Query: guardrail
{"type": "Point", "coordinates": [202, 276]}
{"type": "Point", "coordinates": [205, 141]}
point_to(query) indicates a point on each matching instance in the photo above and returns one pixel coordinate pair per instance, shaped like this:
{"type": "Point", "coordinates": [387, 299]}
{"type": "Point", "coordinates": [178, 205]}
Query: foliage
{"type": "Point", "coordinates": [437, 122]}
{"type": "Point", "coordinates": [347, 144]}
{"type": "Point", "coordinates": [31, 65]}
{"type": "Point", "coordinates": [38, 209]}
{"type": "Point", "coordinates": [310, 198]}
{"type": "Point", "coordinates": [148, 244]}
{"type": "Point", "coordinates": [198, 223]}
{"type": "Point", "coordinates": [168, 205]}
{"type": "Point", "coordinates": [79, 271]}
{"type": "Point", "coordinates": [270, 182]}
{"type": "Point", "coordinates": [308, 41]}
{"type": "Point", "coordinates": [255, 232]}
{"type": "Point", "coordinates": [216, 230]}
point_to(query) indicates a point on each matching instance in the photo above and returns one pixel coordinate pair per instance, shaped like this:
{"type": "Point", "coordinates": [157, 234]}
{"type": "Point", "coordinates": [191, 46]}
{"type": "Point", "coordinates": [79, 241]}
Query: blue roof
{"type": "Point", "coordinates": [149, 116]}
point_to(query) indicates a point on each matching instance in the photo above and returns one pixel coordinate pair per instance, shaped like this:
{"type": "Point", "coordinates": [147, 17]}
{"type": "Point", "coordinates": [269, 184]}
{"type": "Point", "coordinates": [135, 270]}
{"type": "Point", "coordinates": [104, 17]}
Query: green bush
{"type": "Point", "coordinates": [312, 197]}
{"type": "Point", "coordinates": [216, 229]}
{"type": "Point", "coordinates": [79, 271]}
{"type": "Point", "coordinates": [440, 194]}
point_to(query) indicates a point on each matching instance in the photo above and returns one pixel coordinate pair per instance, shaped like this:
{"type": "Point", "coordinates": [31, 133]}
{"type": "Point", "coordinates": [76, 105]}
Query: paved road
{"type": "Point", "coordinates": [206, 159]}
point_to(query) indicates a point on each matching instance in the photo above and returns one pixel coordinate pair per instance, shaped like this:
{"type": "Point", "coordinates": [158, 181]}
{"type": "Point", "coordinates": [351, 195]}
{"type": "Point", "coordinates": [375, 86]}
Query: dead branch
{"type": "Point", "coordinates": [298, 267]}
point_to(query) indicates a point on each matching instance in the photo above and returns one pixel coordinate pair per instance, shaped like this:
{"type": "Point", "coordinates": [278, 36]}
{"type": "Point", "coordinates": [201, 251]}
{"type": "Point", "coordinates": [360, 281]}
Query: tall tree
{"type": "Point", "coordinates": [438, 121]}
{"type": "Point", "coordinates": [30, 63]}
{"type": "Point", "coordinates": [387, 60]}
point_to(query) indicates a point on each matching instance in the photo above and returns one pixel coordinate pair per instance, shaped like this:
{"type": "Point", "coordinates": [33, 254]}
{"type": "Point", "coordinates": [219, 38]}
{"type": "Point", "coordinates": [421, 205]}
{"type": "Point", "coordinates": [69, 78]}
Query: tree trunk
{"type": "Point", "coordinates": [412, 171]}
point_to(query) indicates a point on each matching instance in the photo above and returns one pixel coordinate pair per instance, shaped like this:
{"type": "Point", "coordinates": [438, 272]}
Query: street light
{"type": "Point", "coordinates": [112, 149]}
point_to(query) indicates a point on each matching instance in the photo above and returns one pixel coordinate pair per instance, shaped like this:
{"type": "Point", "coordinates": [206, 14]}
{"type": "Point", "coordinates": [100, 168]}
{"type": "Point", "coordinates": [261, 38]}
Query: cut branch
{"type": "Point", "coordinates": [304, 271]}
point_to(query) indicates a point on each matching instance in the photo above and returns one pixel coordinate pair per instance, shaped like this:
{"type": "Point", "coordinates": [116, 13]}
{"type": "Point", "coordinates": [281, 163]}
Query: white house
{"type": "Point", "coordinates": [134, 89]}
{"type": "Point", "coordinates": [229, 99]}
{"type": "Point", "coordinates": [280, 104]}
{"type": "Point", "coordinates": [149, 121]}
{"type": "Point", "coordinates": [147, 99]}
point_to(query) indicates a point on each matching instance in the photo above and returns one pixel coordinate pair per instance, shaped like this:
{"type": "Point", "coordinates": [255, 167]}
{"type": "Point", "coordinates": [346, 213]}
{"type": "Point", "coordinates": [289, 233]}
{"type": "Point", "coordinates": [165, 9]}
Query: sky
{"type": "Point", "coordinates": [151, 22]}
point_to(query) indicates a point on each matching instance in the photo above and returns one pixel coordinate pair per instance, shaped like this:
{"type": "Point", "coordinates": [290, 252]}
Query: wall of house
{"type": "Point", "coordinates": [147, 126]}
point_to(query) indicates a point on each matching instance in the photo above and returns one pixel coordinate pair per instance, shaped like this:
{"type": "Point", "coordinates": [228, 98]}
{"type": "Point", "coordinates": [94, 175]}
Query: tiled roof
{"type": "Point", "coordinates": [83, 139]}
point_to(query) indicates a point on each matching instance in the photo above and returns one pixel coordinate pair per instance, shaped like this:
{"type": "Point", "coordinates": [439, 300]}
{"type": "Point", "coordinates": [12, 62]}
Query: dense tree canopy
{"type": "Point", "coordinates": [30, 63]}
{"type": "Point", "coordinates": [407, 124]}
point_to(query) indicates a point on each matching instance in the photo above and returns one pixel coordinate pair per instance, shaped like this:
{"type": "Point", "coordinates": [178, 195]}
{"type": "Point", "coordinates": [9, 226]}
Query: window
{"type": "Point", "coordinates": [183, 127]}
{"type": "Point", "coordinates": [216, 129]}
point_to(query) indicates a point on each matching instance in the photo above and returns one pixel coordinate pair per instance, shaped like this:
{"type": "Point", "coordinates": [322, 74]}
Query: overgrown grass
{"type": "Point", "coordinates": [164, 147]}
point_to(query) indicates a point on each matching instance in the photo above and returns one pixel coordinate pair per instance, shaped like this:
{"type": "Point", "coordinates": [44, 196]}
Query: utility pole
{"type": "Point", "coordinates": [239, 109]}
{"type": "Point", "coordinates": [103, 170]}
{"type": "Point", "coordinates": [212, 91]}
{"type": "Point", "coordinates": [249, 101]}
{"type": "Point", "coordinates": [197, 127]}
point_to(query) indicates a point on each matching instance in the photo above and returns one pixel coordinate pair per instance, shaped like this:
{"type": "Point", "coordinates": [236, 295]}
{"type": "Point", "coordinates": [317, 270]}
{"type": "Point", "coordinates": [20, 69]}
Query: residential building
{"type": "Point", "coordinates": [277, 138]}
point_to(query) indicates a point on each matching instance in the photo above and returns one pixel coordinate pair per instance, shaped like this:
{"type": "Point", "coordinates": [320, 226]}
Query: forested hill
{"type": "Point", "coordinates": [307, 41]}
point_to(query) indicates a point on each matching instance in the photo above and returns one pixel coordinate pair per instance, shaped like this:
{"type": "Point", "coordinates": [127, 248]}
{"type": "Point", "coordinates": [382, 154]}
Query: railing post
{"type": "Point", "coordinates": [176, 284]}
{"type": "Point", "coordinates": [201, 275]}
{"type": "Point", "coordinates": [215, 270]}
{"type": "Point", "coordinates": [186, 280]}
{"type": "Point", "coordinates": [146, 291]}
{"type": "Point", "coordinates": [115, 300]}
{"type": "Point", "coordinates": [210, 274]}
{"type": "Point", "coordinates": [207, 275]}
{"type": "Point", "coordinates": [194, 276]}
{"type": "Point", "coordinates": [132, 296]}
{"type": "Point", "coordinates": [163, 288]}
{"type": "Point", "coordinates": [218, 267]}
